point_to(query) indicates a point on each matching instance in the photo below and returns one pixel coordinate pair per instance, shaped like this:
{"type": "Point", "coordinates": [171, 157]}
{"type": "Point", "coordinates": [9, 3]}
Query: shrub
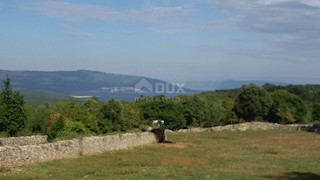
{"type": "Point", "coordinates": [55, 125]}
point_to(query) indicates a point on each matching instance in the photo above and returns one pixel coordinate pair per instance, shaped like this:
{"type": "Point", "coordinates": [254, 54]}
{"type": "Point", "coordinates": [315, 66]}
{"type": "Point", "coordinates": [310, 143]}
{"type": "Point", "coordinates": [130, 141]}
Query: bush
{"type": "Point", "coordinates": [55, 125]}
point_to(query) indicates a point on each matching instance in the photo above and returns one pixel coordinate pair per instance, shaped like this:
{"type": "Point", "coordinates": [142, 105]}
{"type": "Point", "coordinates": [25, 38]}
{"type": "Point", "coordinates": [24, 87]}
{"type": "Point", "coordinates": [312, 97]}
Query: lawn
{"type": "Point", "coordinates": [210, 155]}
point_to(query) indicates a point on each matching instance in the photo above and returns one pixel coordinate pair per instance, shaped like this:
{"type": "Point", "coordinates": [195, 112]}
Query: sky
{"type": "Point", "coordinates": [173, 40]}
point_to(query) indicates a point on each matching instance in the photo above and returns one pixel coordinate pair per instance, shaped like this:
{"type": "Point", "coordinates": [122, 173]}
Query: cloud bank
{"type": "Point", "coordinates": [292, 24]}
{"type": "Point", "coordinates": [289, 24]}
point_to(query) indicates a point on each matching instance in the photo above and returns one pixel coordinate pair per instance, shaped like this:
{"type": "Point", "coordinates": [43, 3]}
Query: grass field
{"type": "Point", "coordinates": [212, 155]}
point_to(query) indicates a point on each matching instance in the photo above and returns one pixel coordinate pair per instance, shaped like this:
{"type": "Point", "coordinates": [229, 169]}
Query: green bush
{"type": "Point", "coordinates": [55, 125]}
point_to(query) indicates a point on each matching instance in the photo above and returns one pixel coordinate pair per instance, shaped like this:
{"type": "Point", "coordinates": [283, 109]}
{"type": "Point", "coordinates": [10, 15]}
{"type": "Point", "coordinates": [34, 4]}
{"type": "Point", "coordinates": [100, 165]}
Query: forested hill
{"type": "Point", "coordinates": [52, 86]}
{"type": "Point", "coordinates": [70, 81]}
{"type": "Point", "coordinates": [81, 82]}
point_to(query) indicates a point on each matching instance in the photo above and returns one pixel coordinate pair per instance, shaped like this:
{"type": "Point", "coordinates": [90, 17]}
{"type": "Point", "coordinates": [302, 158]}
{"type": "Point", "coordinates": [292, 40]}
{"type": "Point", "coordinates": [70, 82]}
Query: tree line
{"type": "Point", "coordinates": [270, 103]}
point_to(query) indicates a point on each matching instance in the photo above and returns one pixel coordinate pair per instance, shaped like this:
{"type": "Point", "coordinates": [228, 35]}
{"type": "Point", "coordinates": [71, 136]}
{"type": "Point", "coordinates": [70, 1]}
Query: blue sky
{"type": "Point", "coordinates": [174, 40]}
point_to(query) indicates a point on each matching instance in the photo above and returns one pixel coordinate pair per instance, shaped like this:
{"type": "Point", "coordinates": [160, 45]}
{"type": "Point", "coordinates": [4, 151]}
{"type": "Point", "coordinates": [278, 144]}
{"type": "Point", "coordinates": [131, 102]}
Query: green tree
{"type": "Point", "coordinates": [161, 108]}
{"type": "Point", "coordinates": [316, 112]}
{"type": "Point", "coordinates": [90, 113]}
{"type": "Point", "coordinates": [270, 87]}
{"type": "Point", "coordinates": [113, 115]}
{"type": "Point", "coordinates": [37, 121]}
{"type": "Point", "coordinates": [229, 116]}
{"type": "Point", "coordinates": [56, 124]}
{"type": "Point", "coordinates": [253, 103]}
{"type": "Point", "coordinates": [287, 108]}
{"type": "Point", "coordinates": [132, 114]}
{"type": "Point", "coordinates": [194, 110]}
{"type": "Point", "coordinates": [214, 110]}
{"type": "Point", "coordinates": [12, 114]}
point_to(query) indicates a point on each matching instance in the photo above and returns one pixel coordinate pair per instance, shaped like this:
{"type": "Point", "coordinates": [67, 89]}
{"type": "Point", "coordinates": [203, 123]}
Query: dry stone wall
{"type": "Point", "coordinates": [20, 154]}
{"type": "Point", "coordinates": [256, 126]}
{"type": "Point", "coordinates": [22, 141]}
{"type": "Point", "coordinates": [95, 145]}
{"type": "Point", "coordinates": [15, 156]}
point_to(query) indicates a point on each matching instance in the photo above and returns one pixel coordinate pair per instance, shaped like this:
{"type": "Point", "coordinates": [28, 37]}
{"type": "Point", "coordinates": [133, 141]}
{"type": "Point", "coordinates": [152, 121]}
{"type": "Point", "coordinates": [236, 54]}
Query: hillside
{"type": "Point", "coordinates": [82, 83]}
{"type": "Point", "coordinates": [69, 81]}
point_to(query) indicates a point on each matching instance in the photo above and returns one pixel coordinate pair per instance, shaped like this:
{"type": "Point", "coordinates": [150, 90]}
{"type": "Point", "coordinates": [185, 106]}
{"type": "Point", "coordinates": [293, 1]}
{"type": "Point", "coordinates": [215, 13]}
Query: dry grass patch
{"type": "Point", "coordinates": [175, 145]}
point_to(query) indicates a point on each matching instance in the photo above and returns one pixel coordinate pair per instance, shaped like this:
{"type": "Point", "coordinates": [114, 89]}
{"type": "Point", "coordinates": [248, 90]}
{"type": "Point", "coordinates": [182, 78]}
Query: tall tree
{"type": "Point", "coordinates": [253, 103]}
{"type": "Point", "coordinates": [161, 108]}
{"type": "Point", "coordinates": [194, 110]}
{"type": "Point", "coordinates": [12, 114]}
{"type": "Point", "coordinates": [287, 108]}
{"type": "Point", "coordinates": [113, 112]}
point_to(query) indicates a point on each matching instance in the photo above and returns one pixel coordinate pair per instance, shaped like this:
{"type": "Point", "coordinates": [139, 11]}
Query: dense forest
{"type": "Point", "coordinates": [270, 103]}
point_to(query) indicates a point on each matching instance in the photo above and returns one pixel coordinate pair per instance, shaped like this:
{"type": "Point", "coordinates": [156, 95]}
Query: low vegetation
{"type": "Point", "coordinates": [210, 155]}
{"type": "Point", "coordinates": [65, 120]}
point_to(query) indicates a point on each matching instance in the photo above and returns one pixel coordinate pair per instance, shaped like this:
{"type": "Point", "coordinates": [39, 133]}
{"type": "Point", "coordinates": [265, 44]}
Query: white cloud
{"type": "Point", "coordinates": [285, 23]}
{"type": "Point", "coordinates": [292, 26]}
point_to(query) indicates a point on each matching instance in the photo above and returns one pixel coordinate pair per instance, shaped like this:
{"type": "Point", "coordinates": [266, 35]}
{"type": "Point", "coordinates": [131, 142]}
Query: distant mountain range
{"type": "Point", "coordinates": [84, 84]}
{"type": "Point", "coordinates": [51, 86]}
{"type": "Point", "coordinates": [226, 84]}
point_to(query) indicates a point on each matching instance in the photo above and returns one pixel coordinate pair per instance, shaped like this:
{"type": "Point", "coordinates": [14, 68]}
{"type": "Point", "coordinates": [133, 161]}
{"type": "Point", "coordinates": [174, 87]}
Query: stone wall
{"type": "Point", "coordinates": [15, 156]}
{"type": "Point", "coordinates": [25, 140]}
{"type": "Point", "coordinates": [256, 126]}
{"type": "Point", "coordinates": [95, 145]}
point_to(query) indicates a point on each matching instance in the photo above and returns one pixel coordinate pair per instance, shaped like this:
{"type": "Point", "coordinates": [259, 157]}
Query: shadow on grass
{"type": "Point", "coordinates": [296, 176]}
{"type": "Point", "coordinates": [314, 129]}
